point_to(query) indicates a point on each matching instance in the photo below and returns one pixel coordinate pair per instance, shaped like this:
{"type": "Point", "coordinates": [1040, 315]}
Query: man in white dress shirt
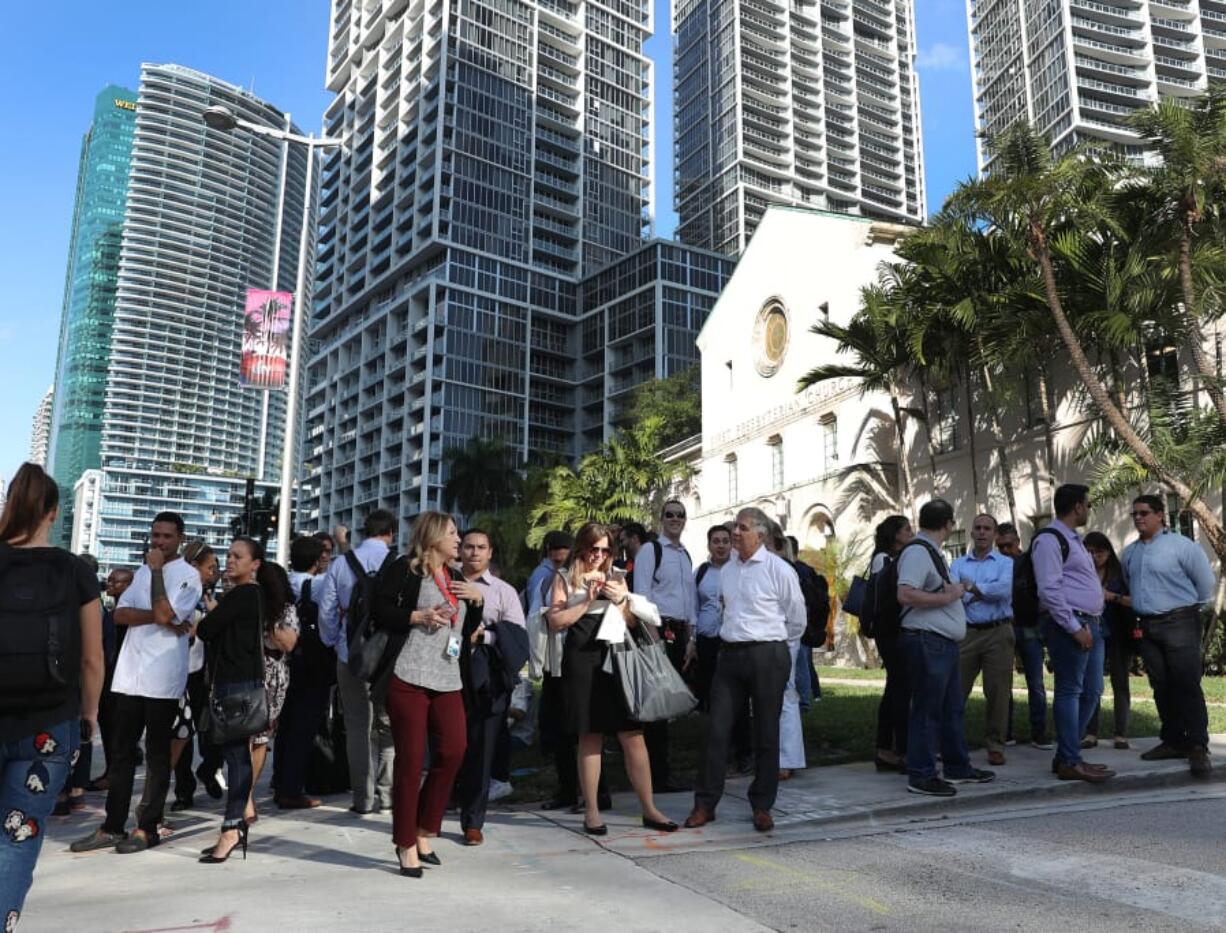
{"type": "Point", "coordinates": [764, 610]}
{"type": "Point", "coordinates": [150, 677]}
{"type": "Point", "coordinates": [664, 574]}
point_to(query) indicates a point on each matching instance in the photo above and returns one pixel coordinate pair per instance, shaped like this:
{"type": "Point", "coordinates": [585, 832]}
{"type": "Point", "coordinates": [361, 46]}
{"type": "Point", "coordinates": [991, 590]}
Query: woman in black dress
{"type": "Point", "coordinates": [594, 706]}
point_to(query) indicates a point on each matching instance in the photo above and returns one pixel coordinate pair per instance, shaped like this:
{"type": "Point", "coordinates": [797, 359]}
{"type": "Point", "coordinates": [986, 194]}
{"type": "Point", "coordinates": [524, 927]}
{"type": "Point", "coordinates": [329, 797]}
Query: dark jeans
{"type": "Point", "coordinates": [895, 706]}
{"type": "Point", "coordinates": [1079, 684]}
{"type": "Point", "coordinates": [82, 765]}
{"type": "Point", "coordinates": [474, 788]}
{"type": "Point", "coordinates": [756, 671]}
{"type": "Point", "coordinates": [132, 716]}
{"type": "Point", "coordinates": [1171, 652]}
{"type": "Point", "coordinates": [1028, 645]}
{"type": "Point", "coordinates": [306, 707]}
{"type": "Point", "coordinates": [1120, 649]}
{"type": "Point", "coordinates": [937, 706]}
{"type": "Point", "coordinates": [237, 756]}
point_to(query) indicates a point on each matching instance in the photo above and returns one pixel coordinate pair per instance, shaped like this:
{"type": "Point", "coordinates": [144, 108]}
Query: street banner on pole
{"type": "Point", "coordinates": [266, 325]}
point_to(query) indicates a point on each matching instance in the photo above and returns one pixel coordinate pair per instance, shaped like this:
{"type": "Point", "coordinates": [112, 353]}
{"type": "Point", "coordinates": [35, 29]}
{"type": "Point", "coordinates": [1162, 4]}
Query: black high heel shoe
{"type": "Point", "coordinates": [601, 830]}
{"type": "Point", "coordinates": [430, 858]}
{"type": "Point", "coordinates": [209, 858]}
{"type": "Point", "coordinates": [405, 870]}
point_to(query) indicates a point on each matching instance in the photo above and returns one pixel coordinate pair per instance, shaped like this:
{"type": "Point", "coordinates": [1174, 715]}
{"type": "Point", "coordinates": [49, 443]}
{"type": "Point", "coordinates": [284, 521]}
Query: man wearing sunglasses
{"type": "Point", "coordinates": [664, 574]}
{"type": "Point", "coordinates": [1170, 579]}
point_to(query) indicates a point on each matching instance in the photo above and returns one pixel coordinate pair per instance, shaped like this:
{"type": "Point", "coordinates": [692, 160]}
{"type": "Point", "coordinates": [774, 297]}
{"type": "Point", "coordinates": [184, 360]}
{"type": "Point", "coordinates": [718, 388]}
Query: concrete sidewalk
{"type": "Point", "coordinates": [327, 869]}
{"type": "Point", "coordinates": [845, 799]}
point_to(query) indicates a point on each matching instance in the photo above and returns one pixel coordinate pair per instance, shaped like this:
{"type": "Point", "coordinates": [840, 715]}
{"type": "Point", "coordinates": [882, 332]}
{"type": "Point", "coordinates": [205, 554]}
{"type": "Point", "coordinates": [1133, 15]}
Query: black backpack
{"type": "Point", "coordinates": [38, 610]}
{"type": "Point", "coordinates": [816, 592]}
{"type": "Point", "coordinates": [881, 615]}
{"type": "Point", "coordinates": [702, 572]}
{"type": "Point", "coordinates": [657, 549]}
{"type": "Point", "coordinates": [1025, 586]}
{"type": "Point", "coordinates": [311, 657]}
{"type": "Point", "coordinates": [359, 620]}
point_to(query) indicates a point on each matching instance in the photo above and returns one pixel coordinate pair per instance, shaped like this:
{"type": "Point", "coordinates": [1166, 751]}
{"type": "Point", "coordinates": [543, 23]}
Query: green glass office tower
{"type": "Point", "coordinates": [89, 292]}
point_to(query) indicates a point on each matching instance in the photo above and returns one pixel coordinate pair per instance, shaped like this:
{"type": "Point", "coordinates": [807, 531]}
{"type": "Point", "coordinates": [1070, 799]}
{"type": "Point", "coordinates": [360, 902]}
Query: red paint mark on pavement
{"type": "Point", "coordinates": [218, 926]}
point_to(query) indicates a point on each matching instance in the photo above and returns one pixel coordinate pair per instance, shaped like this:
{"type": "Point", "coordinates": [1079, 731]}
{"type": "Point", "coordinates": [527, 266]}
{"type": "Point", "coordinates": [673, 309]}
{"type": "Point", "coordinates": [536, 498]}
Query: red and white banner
{"type": "Point", "coordinates": [265, 339]}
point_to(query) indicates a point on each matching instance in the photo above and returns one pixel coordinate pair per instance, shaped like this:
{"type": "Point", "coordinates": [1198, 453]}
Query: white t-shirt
{"type": "Point", "coordinates": [153, 660]}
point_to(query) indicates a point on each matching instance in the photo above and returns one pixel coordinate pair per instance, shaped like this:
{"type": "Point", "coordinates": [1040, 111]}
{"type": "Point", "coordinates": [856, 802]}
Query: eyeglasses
{"type": "Point", "coordinates": [1143, 514]}
{"type": "Point", "coordinates": [674, 515]}
{"type": "Point", "coordinates": [599, 550]}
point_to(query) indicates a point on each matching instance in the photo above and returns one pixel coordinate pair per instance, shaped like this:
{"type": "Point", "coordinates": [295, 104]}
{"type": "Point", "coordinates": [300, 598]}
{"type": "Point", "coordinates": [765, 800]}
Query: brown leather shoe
{"type": "Point", "coordinates": [473, 837]}
{"type": "Point", "coordinates": [786, 774]}
{"type": "Point", "coordinates": [996, 759]}
{"type": "Point", "coordinates": [763, 822]}
{"type": "Point", "coordinates": [1163, 752]}
{"type": "Point", "coordinates": [1079, 772]}
{"type": "Point", "coordinates": [1198, 761]}
{"type": "Point", "coordinates": [699, 816]}
{"type": "Point", "coordinates": [298, 802]}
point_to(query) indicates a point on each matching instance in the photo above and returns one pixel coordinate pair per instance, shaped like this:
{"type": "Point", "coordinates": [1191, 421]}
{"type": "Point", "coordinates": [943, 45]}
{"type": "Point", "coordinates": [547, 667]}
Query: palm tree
{"type": "Point", "coordinates": [481, 476]}
{"type": "Point", "coordinates": [1033, 198]}
{"type": "Point", "coordinates": [881, 358]}
{"type": "Point", "coordinates": [1187, 189]}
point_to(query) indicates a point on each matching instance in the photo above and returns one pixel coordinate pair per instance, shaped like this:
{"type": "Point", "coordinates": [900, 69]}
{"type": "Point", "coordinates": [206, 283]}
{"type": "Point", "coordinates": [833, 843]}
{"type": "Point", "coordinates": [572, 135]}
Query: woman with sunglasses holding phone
{"type": "Point", "coordinates": [580, 596]}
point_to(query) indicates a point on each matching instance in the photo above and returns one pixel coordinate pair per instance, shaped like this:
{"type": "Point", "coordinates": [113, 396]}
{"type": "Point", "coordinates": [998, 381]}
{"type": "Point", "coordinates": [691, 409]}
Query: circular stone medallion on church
{"type": "Point", "coordinates": [770, 337]}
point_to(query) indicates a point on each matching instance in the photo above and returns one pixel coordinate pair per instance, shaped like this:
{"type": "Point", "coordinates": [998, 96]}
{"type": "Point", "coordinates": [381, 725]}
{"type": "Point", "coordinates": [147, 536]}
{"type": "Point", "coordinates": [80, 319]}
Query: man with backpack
{"type": "Point", "coordinates": [1070, 600]}
{"type": "Point", "coordinates": [367, 730]}
{"type": "Point", "coordinates": [312, 672]}
{"type": "Point", "coordinates": [664, 574]}
{"type": "Point", "coordinates": [1028, 646]}
{"type": "Point", "coordinates": [933, 623]}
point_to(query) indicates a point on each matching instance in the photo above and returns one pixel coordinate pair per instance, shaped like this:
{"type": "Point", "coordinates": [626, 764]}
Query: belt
{"type": "Point", "coordinates": [673, 620]}
{"type": "Point", "coordinates": [738, 645]}
{"type": "Point", "coordinates": [992, 624]}
{"type": "Point", "coordinates": [1170, 613]}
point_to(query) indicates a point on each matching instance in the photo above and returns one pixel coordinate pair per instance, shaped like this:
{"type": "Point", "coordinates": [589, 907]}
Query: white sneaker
{"type": "Point", "coordinates": [499, 789]}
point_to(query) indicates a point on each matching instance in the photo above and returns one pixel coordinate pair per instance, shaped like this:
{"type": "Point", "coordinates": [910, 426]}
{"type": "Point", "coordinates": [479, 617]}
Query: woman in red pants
{"type": "Point", "coordinates": [431, 612]}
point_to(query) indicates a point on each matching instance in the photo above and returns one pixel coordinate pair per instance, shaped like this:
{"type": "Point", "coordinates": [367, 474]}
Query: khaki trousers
{"type": "Point", "coordinates": [990, 651]}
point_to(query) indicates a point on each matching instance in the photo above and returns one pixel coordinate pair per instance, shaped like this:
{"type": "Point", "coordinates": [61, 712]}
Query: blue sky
{"type": "Point", "coordinates": [66, 52]}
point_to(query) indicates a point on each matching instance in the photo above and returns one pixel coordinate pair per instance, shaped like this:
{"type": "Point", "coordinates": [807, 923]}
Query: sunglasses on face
{"type": "Point", "coordinates": [599, 550]}
{"type": "Point", "coordinates": [674, 515]}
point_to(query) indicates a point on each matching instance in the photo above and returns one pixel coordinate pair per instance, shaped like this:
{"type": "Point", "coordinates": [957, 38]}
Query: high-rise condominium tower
{"type": "Point", "coordinates": [40, 428]}
{"type": "Point", "coordinates": [1078, 69]}
{"type": "Point", "coordinates": [495, 160]}
{"type": "Point", "coordinates": [89, 292]}
{"type": "Point", "coordinates": [208, 215]}
{"type": "Point", "coordinates": [802, 102]}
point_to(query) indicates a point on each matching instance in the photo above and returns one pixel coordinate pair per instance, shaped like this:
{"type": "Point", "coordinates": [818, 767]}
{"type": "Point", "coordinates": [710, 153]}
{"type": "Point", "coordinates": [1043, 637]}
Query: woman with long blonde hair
{"type": "Point", "coordinates": [581, 595]}
{"type": "Point", "coordinates": [430, 612]}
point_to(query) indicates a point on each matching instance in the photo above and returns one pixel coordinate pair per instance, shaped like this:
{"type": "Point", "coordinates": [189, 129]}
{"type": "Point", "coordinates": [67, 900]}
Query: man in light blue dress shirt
{"type": "Point", "coordinates": [1169, 579]}
{"type": "Point", "coordinates": [987, 577]}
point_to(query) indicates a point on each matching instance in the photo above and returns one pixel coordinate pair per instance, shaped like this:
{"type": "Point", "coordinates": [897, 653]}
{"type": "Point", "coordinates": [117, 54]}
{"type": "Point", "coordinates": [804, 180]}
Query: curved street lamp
{"type": "Point", "coordinates": [224, 119]}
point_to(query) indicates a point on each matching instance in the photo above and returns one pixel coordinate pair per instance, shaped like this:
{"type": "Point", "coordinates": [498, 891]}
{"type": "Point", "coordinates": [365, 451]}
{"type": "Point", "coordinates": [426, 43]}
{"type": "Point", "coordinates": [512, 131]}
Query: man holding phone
{"type": "Point", "coordinates": [150, 677]}
{"type": "Point", "coordinates": [664, 574]}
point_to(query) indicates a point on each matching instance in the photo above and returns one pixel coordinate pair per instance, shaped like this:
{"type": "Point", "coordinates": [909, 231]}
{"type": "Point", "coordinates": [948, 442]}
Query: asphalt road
{"type": "Point", "coordinates": [1145, 863]}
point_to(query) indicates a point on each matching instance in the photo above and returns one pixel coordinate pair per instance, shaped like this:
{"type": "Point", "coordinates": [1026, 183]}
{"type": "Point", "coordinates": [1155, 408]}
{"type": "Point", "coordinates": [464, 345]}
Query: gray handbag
{"type": "Point", "coordinates": [651, 687]}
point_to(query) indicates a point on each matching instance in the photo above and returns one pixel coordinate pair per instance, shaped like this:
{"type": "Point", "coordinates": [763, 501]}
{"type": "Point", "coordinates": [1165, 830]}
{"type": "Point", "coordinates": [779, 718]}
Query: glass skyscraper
{"type": "Point", "coordinates": [89, 292]}
{"type": "Point", "coordinates": [1079, 70]}
{"type": "Point", "coordinates": [206, 212]}
{"type": "Point", "coordinates": [797, 102]}
{"type": "Point", "coordinates": [496, 157]}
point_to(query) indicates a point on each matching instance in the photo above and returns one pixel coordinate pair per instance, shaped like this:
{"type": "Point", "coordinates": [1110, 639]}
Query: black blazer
{"type": "Point", "coordinates": [490, 671]}
{"type": "Point", "coordinates": [234, 636]}
{"type": "Point", "coordinates": [396, 593]}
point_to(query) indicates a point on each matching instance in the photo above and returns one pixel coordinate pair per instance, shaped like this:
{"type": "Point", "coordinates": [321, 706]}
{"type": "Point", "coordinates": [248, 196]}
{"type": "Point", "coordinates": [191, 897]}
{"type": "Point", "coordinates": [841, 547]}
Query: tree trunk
{"type": "Point", "coordinates": [1001, 451]}
{"type": "Point", "coordinates": [906, 493]}
{"type": "Point", "coordinates": [970, 431]}
{"type": "Point", "coordinates": [1210, 523]}
{"type": "Point", "coordinates": [1191, 319]}
{"type": "Point", "coordinates": [1049, 437]}
{"type": "Point", "coordinates": [932, 457]}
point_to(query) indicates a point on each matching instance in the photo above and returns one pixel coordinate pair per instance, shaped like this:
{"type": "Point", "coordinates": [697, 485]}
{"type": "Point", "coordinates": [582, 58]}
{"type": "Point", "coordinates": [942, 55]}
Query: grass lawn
{"type": "Point", "coordinates": [839, 729]}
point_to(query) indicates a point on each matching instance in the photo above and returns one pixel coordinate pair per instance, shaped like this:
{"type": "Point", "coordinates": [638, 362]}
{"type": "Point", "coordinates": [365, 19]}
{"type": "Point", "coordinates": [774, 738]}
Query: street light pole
{"type": "Point", "coordinates": [222, 118]}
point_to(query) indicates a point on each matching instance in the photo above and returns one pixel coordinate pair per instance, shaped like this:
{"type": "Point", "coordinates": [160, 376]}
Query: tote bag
{"type": "Point", "coordinates": [651, 687]}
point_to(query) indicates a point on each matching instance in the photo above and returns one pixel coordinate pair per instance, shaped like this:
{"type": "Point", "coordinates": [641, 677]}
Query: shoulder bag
{"type": "Point", "coordinates": [651, 687]}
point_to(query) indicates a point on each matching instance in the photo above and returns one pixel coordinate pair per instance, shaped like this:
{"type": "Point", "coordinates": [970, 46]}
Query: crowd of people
{"type": "Point", "coordinates": [192, 668]}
